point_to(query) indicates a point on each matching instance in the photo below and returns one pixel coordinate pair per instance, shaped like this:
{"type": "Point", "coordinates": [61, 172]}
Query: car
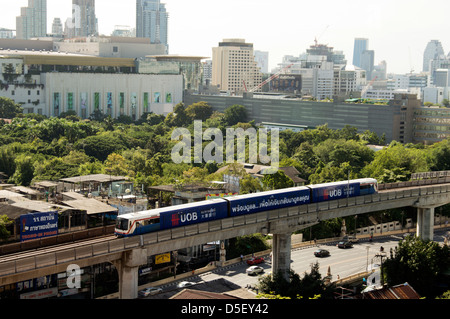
{"type": "Point", "coordinates": [344, 244]}
{"type": "Point", "coordinates": [185, 284]}
{"type": "Point", "coordinates": [150, 291]}
{"type": "Point", "coordinates": [255, 261]}
{"type": "Point", "coordinates": [254, 270]}
{"type": "Point", "coordinates": [321, 253]}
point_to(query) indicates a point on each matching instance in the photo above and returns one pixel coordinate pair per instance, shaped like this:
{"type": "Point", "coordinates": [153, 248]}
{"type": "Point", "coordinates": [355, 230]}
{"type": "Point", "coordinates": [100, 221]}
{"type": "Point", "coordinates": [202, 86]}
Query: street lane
{"type": "Point", "coordinates": [342, 262]}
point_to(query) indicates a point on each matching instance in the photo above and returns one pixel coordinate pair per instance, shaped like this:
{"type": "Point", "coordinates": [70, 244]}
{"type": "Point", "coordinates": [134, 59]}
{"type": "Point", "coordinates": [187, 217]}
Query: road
{"type": "Point", "coordinates": [342, 263]}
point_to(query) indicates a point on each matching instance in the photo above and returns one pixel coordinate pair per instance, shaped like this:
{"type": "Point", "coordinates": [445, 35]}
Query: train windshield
{"type": "Point", "coordinates": [122, 223]}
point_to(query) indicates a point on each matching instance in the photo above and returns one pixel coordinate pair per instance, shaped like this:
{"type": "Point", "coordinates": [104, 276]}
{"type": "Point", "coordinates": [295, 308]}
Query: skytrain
{"type": "Point", "coordinates": [153, 220]}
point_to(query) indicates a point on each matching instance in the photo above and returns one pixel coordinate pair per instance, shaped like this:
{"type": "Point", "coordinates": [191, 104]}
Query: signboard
{"type": "Point", "coordinates": [220, 195]}
{"type": "Point", "coordinates": [162, 259]}
{"type": "Point", "coordinates": [38, 225]}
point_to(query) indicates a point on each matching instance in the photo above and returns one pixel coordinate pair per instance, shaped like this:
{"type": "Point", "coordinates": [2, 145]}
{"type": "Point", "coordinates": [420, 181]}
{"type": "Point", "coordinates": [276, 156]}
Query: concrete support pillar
{"type": "Point", "coordinates": [425, 223]}
{"type": "Point", "coordinates": [128, 269]}
{"type": "Point", "coordinates": [281, 254]}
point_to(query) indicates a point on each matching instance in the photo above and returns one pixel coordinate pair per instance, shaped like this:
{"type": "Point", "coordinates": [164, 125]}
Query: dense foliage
{"type": "Point", "coordinates": [34, 147]}
{"type": "Point", "coordinates": [420, 263]}
{"type": "Point", "coordinates": [310, 286]}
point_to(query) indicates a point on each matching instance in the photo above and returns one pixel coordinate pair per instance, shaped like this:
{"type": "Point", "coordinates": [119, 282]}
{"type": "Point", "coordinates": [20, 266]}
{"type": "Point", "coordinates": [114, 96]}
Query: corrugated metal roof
{"type": "Point", "coordinates": [90, 205]}
{"type": "Point", "coordinates": [403, 291]}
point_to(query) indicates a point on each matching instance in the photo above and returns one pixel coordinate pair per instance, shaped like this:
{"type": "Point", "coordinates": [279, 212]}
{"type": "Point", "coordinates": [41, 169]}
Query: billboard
{"type": "Point", "coordinates": [38, 225]}
{"type": "Point", "coordinates": [162, 259]}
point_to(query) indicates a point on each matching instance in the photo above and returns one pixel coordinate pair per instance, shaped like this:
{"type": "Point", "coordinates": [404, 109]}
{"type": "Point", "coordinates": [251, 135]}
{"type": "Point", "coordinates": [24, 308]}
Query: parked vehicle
{"type": "Point", "coordinates": [254, 270]}
{"type": "Point", "coordinates": [344, 244]}
{"type": "Point", "coordinates": [321, 253]}
{"type": "Point", "coordinates": [255, 261]}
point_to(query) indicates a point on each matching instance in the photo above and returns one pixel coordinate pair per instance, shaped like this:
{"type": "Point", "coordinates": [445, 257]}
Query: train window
{"type": "Point", "coordinates": [122, 224]}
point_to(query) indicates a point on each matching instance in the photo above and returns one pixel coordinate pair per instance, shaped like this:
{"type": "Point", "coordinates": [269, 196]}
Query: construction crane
{"type": "Point", "coordinates": [276, 75]}
{"type": "Point", "coordinates": [363, 91]}
{"type": "Point", "coordinates": [316, 39]}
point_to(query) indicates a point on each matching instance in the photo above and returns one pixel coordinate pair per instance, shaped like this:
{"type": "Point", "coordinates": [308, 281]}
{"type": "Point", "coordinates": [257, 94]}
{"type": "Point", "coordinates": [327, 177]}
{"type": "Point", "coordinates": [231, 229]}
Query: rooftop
{"type": "Point", "coordinates": [95, 178]}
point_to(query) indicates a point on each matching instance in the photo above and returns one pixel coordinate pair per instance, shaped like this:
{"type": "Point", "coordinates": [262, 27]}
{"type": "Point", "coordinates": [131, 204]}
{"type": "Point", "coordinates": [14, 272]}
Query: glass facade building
{"type": "Point", "coordinates": [361, 45]}
{"type": "Point", "coordinates": [32, 21]}
{"type": "Point", "coordinates": [152, 21]}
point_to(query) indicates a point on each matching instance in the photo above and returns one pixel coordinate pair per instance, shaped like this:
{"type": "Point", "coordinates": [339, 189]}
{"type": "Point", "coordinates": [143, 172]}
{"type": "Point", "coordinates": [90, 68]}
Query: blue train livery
{"type": "Point", "coordinates": [215, 209]}
{"type": "Point", "coordinates": [255, 203]}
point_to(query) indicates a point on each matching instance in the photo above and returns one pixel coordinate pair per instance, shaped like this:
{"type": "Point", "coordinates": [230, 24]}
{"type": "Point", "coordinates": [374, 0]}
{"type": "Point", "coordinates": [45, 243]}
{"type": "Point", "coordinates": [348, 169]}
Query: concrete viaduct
{"type": "Point", "coordinates": [127, 254]}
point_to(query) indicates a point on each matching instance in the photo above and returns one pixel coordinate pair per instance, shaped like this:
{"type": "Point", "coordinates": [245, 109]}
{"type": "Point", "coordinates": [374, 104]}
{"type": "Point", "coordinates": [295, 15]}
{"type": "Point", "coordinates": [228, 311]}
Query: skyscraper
{"type": "Point", "coordinates": [152, 21]}
{"type": "Point", "coordinates": [32, 21]}
{"type": "Point", "coordinates": [361, 45]}
{"type": "Point", "coordinates": [433, 51]}
{"type": "Point", "coordinates": [84, 20]}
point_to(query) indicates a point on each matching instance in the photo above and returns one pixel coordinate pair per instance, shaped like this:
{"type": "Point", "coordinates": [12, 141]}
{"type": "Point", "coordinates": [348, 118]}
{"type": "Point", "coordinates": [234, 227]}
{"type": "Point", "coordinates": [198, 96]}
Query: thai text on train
{"type": "Point", "coordinates": [258, 146]}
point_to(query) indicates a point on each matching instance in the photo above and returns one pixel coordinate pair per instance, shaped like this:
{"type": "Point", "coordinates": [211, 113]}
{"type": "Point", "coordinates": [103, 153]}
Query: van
{"type": "Point", "coordinates": [350, 238]}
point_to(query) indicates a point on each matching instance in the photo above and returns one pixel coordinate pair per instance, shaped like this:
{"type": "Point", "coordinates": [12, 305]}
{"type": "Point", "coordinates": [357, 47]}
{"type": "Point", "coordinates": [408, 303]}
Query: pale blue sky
{"type": "Point", "coordinates": [398, 30]}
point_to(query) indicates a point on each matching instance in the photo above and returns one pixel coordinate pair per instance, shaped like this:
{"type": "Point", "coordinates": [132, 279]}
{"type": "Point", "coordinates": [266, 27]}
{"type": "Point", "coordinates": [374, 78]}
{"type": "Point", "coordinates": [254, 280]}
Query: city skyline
{"type": "Point", "coordinates": [398, 31]}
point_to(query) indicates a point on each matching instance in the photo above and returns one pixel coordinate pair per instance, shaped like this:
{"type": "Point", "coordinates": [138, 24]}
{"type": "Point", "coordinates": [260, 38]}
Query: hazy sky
{"type": "Point", "coordinates": [398, 30]}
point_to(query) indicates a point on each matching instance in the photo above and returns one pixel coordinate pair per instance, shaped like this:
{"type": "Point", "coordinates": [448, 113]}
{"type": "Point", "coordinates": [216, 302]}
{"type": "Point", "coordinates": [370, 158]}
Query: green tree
{"type": "Point", "coordinates": [310, 286]}
{"type": "Point", "coordinates": [397, 156]}
{"type": "Point", "coordinates": [103, 144]}
{"type": "Point", "coordinates": [277, 180]}
{"type": "Point", "coordinates": [179, 117]}
{"type": "Point", "coordinates": [8, 108]}
{"type": "Point", "coordinates": [4, 223]}
{"type": "Point", "coordinates": [7, 160]}
{"type": "Point", "coordinates": [24, 170]}
{"type": "Point", "coordinates": [115, 164]}
{"type": "Point", "coordinates": [249, 184]}
{"type": "Point", "coordinates": [420, 263]}
{"type": "Point", "coordinates": [235, 114]}
{"type": "Point", "coordinates": [199, 111]}
{"type": "Point", "coordinates": [246, 245]}
{"type": "Point", "coordinates": [439, 156]}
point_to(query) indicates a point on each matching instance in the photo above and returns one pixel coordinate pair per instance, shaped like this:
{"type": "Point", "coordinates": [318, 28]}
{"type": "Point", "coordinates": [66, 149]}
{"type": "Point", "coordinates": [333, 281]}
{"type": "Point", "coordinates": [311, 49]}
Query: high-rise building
{"type": "Point", "coordinates": [361, 45]}
{"type": "Point", "coordinates": [367, 62]}
{"type": "Point", "coordinates": [152, 21]}
{"type": "Point", "coordinates": [84, 20]}
{"type": "Point", "coordinates": [32, 21]}
{"type": "Point", "coordinates": [57, 27]}
{"type": "Point", "coordinates": [433, 51]}
{"type": "Point", "coordinates": [234, 68]}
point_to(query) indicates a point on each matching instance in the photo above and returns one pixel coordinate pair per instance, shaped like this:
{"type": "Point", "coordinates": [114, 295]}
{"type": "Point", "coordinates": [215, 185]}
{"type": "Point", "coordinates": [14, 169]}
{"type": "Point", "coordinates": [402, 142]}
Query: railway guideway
{"type": "Point", "coordinates": [127, 253]}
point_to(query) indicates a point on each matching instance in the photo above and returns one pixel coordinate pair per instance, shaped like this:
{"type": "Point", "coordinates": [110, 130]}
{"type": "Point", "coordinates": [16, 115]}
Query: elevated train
{"type": "Point", "coordinates": [139, 223]}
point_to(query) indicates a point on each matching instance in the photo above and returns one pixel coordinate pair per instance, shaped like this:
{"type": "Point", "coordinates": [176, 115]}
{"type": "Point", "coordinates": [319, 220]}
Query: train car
{"type": "Point", "coordinates": [138, 223]}
{"type": "Point", "coordinates": [193, 213]}
{"type": "Point", "coordinates": [337, 190]}
{"type": "Point", "coordinates": [258, 202]}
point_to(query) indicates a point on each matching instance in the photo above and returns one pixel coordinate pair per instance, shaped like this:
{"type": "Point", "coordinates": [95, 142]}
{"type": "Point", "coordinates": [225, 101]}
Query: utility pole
{"type": "Point", "coordinates": [381, 255]}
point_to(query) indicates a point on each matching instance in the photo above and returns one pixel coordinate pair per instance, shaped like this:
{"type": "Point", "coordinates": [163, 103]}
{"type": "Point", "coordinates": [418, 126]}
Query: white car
{"type": "Point", "coordinates": [185, 284]}
{"type": "Point", "coordinates": [150, 291]}
{"type": "Point", "coordinates": [253, 270]}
